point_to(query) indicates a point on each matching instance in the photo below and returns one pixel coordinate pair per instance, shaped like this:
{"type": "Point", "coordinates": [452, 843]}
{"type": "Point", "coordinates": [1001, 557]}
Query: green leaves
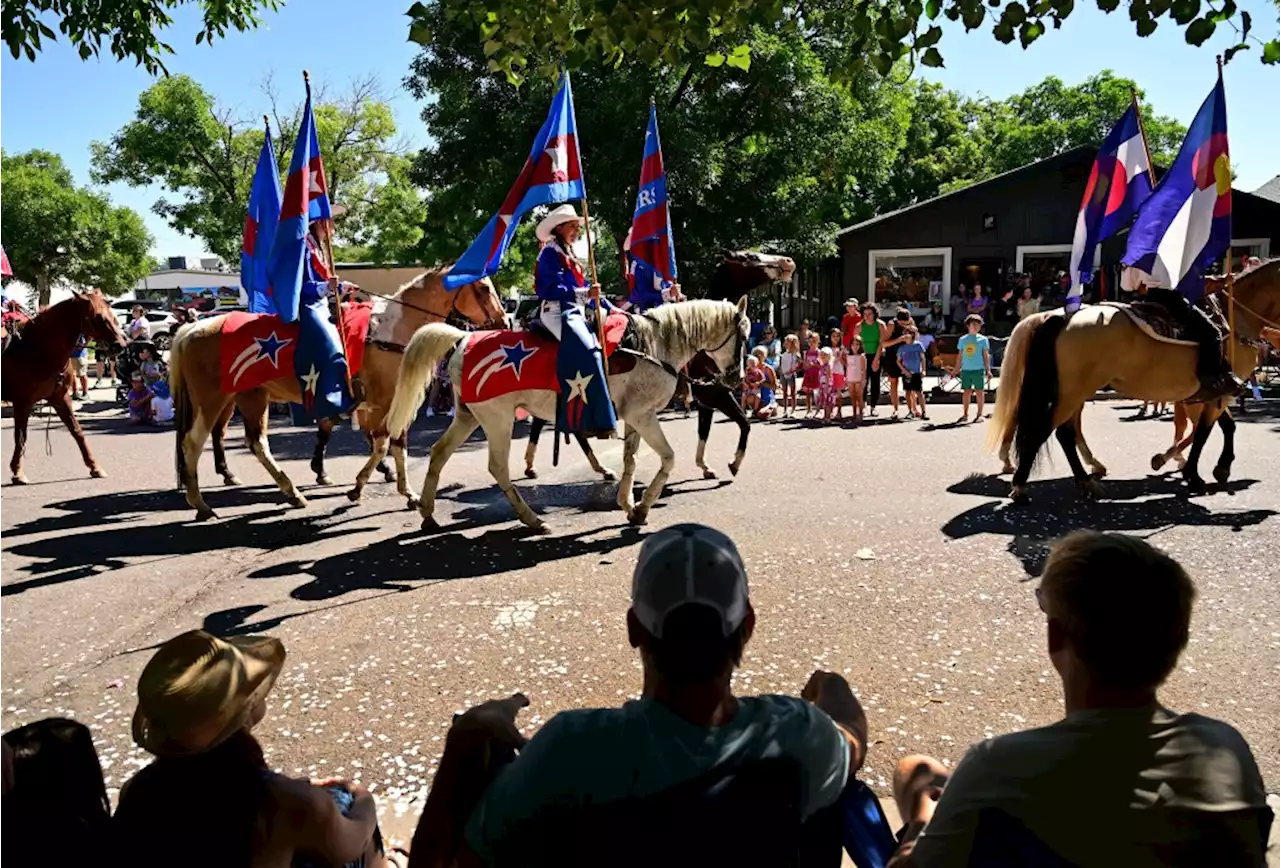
{"type": "Point", "coordinates": [1030, 32]}
{"type": "Point", "coordinates": [932, 8]}
{"type": "Point", "coordinates": [931, 58]}
{"type": "Point", "coordinates": [1200, 30]}
{"type": "Point", "coordinates": [1271, 52]}
{"type": "Point", "coordinates": [715, 59]}
{"type": "Point", "coordinates": [1184, 11]}
{"type": "Point", "coordinates": [740, 57]}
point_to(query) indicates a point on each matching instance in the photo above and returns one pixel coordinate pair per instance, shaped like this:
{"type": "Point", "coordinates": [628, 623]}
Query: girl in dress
{"type": "Point", "coordinates": [827, 394]}
{"type": "Point", "coordinates": [751, 382]}
{"type": "Point", "coordinates": [768, 406]}
{"type": "Point", "coordinates": [788, 366]}
{"type": "Point", "coordinates": [838, 359]}
{"type": "Point", "coordinates": [809, 384]}
{"type": "Point", "coordinates": [855, 375]}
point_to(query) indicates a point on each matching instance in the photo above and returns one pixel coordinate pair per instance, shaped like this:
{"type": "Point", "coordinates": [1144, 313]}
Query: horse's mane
{"type": "Point", "coordinates": [434, 272]}
{"type": "Point", "coordinates": [693, 323]}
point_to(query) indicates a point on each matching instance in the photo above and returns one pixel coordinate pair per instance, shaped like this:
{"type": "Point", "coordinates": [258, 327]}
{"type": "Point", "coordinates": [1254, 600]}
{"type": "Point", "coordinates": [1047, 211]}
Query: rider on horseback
{"type": "Point", "coordinates": [1213, 368]}
{"type": "Point", "coordinates": [649, 289]}
{"type": "Point", "coordinates": [561, 286]}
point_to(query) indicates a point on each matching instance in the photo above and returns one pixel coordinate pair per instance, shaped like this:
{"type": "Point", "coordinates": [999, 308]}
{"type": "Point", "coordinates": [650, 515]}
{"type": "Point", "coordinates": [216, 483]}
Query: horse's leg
{"type": "Point", "coordinates": [1180, 419]}
{"type": "Point", "coordinates": [219, 433]}
{"type": "Point", "coordinates": [604, 472]}
{"type": "Point", "coordinates": [651, 430]}
{"type": "Point", "coordinates": [324, 430]}
{"type": "Point", "coordinates": [253, 406]}
{"type": "Point", "coordinates": [1066, 434]}
{"type": "Point", "coordinates": [21, 415]}
{"type": "Point", "coordinates": [1005, 445]}
{"type": "Point", "coordinates": [62, 406]}
{"type": "Point", "coordinates": [500, 468]}
{"type": "Point", "coordinates": [398, 446]}
{"type": "Point", "coordinates": [462, 426]}
{"type": "Point", "coordinates": [378, 440]}
{"type": "Point", "coordinates": [388, 475]}
{"type": "Point", "coordinates": [706, 415]}
{"type": "Point", "coordinates": [192, 446]}
{"type": "Point", "coordinates": [734, 412]}
{"type": "Point", "coordinates": [630, 446]}
{"type": "Point", "coordinates": [1095, 466]}
{"type": "Point", "coordinates": [531, 448]}
{"type": "Point", "coordinates": [1191, 472]}
{"type": "Point", "coordinates": [1222, 472]}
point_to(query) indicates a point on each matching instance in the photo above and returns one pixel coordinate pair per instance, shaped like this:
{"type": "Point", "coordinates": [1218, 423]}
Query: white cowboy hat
{"type": "Point", "coordinates": [557, 216]}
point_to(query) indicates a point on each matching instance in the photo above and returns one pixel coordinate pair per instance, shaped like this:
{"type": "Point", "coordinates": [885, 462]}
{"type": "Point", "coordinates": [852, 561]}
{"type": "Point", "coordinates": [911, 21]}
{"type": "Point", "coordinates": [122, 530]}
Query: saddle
{"type": "Point", "coordinates": [1155, 319]}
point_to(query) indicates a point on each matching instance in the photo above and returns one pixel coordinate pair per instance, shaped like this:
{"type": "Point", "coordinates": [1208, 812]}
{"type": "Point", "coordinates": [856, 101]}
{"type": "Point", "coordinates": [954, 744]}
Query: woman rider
{"type": "Point", "coordinates": [649, 289]}
{"type": "Point", "coordinates": [584, 406]}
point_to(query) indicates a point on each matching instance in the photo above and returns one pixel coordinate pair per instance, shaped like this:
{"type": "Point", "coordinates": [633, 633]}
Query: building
{"type": "Point", "coordinates": [219, 287]}
{"type": "Point", "coordinates": [1020, 222]}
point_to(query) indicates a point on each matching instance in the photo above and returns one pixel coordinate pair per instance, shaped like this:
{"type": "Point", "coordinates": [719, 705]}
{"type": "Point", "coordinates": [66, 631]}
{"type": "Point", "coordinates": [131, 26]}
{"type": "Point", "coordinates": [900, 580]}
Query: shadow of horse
{"type": "Point", "coordinates": [1057, 510]}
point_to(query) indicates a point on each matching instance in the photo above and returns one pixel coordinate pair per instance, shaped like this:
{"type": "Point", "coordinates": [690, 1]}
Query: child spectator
{"type": "Point", "coordinates": [80, 368]}
{"type": "Point", "coordinates": [161, 402]}
{"type": "Point", "coordinates": [751, 381]}
{"type": "Point", "coordinates": [788, 366]}
{"type": "Point", "coordinates": [802, 334]}
{"type": "Point", "coordinates": [810, 364]}
{"type": "Point", "coordinates": [850, 322]}
{"type": "Point", "coordinates": [911, 360]}
{"type": "Point", "coordinates": [768, 386]}
{"type": "Point", "coordinates": [975, 359]}
{"type": "Point", "coordinates": [148, 367]}
{"type": "Point", "coordinates": [140, 396]}
{"type": "Point", "coordinates": [838, 357]}
{"type": "Point", "coordinates": [827, 394]}
{"type": "Point", "coordinates": [855, 375]}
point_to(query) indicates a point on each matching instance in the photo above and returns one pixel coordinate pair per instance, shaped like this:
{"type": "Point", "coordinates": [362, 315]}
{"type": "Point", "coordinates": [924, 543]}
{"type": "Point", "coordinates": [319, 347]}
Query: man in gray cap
{"type": "Point", "coordinates": [690, 619]}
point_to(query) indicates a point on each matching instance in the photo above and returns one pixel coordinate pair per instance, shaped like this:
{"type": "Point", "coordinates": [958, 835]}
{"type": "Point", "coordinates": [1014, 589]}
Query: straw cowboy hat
{"type": "Point", "coordinates": [557, 216]}
{"type": "Point", "coordinates": [199, 690]}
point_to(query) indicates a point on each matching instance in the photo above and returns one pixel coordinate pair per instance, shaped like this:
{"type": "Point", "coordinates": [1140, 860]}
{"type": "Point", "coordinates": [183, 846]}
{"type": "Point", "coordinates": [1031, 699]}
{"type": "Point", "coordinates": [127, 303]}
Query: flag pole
{"type": "Point", "coordinates": [591, 262]}
{"type": "Point", "coordinates": [1142, 131]}
{"type": "Point", "coordinates": [333, 267]}
{"type": "Point", "coordinates": [1231, 284]}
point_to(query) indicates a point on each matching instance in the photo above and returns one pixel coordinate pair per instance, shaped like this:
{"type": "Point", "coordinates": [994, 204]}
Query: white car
{"type": "Point", "coordinates": [162, 324]}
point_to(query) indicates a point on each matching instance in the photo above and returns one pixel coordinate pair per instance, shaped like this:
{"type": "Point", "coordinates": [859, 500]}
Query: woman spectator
{"type": "Point", "coordinates": [889, 354]}
{"type": "Point", "coordinates": [1006, 314]}
{"type": "Point", "coordinates": [934, 322]}
{"type": "Point", "coordinates": [209, 798]}
{"type": "Point", "coordinates": [978, 303]}
{"type": "Point", "coordinates": [873, 332]}
{"type": "Point", "coordinates": [1028, 304]}
{"type": "Point", "coordinates": [772, 346]}
{"type": "Point", "coordinates": [139, 328]}
{"type": "Point", "coordinates": [959, 307]}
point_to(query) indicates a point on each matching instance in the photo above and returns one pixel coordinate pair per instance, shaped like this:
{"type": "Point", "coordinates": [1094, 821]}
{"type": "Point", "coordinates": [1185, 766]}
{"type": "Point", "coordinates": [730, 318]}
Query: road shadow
{"type": "Point", "coordinates": [1056, 509]}
{"type": "Point", "coordinates": [408, 561]}
{"type": "Point", "coordinates": [79, 552]}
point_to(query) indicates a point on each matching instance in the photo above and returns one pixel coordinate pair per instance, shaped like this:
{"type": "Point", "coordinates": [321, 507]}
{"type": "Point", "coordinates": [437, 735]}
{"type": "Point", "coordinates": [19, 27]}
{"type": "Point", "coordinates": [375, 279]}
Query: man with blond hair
{"type": "Point", "coordinates": [1121, 780]}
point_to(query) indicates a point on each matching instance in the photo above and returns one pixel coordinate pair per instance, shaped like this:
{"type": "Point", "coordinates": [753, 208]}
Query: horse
{"type": "Point", "coordinates": [664, 339]}
{"type": "Point", "coordinates": [201, 407]}
{"type": "Point", "coordinates": [37, 367]}
{"type": "Point", "coordinates": [739, 272]}
{"type": "Point", "coordinates": [1055, 362]}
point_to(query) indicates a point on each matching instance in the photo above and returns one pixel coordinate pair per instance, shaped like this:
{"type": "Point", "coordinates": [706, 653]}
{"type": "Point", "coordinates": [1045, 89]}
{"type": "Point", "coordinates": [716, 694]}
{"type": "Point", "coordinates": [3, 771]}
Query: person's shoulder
{"type": "Point", "coordinates": [1213, 734]}
{"type": "Point", "coordinates": [548, 254]}
{"type": "Point", "coordinates": [783, 713]}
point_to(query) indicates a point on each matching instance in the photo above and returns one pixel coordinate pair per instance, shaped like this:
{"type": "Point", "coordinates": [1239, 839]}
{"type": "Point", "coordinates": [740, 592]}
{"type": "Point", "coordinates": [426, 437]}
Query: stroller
{"type": "Point", "coordinates": [128, 361]}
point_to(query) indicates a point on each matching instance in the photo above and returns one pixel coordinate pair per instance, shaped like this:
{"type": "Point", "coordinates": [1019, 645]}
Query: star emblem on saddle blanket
{"type": "Point", "coordinates": [506, 356]}
{"type": "Point", "coordinates": [262, 348]}
{"type": "Point", "coordinates": [578, 386]}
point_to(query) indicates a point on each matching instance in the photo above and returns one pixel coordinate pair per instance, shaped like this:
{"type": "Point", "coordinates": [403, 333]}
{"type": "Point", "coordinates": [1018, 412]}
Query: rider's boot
{"type": "Point", "coordinates": [1217, 380]}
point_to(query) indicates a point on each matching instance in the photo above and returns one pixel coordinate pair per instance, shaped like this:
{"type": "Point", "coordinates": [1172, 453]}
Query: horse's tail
{"type": "Point", "coordinates": [1038, 390]}
{"type": "Point", "coordinates": [183, 408]}
{"type": "Point", "coordinates": [429, 345]}
{"type": "Point", "coordinates": [1004, 419]}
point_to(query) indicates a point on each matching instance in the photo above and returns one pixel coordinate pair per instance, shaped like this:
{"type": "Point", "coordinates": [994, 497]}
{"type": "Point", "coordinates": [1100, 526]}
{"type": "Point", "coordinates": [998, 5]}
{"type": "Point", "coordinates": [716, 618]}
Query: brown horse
{"type": "Point", "coordinates": [37, 367]}
{"type": "Point", "coordinates": [1055, 363]}
{"type": "Point", "coordinates": [201, 407]}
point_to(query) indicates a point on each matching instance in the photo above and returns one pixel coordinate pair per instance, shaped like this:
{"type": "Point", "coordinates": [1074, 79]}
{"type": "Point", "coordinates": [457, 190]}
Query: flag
{"type": "Point", "coordinates": [652, 250]}
{"type": "Point", "coordinates": [1186, 223]}
{"type": "Point", "coordinates": [1119, 183]}
{"type": "Point", "coordinates": [552, 173]}
{"type": "Point", "coordinates": [306, 199]}
{"type": "Point", "coordinates": [5, 269]}
{"type": "Point", "coordinates": [260, 225]}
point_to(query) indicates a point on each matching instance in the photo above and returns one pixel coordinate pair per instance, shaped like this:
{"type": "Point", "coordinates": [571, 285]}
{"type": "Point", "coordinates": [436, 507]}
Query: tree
{"type": "Point", "coordinates": [523, 36]}
{"type": "Point", "coordinates": [57, 231]}
{"type": "Point", "coordinates": [184, 141]}
{"type": "Point", "coordinates": [132, 26]}
{"type": "Point", "coordinates": [777, 153]}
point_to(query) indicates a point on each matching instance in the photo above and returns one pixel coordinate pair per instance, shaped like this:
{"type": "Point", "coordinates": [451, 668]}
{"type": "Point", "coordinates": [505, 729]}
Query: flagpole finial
{"type": "Point", "coordinates": [306, 79]}
{"type": "Point", "coordinates": [1219, 66]}
{"type": "Point", "coordinates": [266, 121]}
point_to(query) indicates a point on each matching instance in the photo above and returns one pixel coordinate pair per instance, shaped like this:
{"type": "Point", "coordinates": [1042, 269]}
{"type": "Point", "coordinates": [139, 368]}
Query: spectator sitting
{"type": "Point", "coordinates": [934, 322]}
{"type": "Point", "coordinates": [690, 619]}
{"type": "Point", "coordinates": [1121, 780]}
{"type": "Point", "coordinates": [767, 407]}
{"type": "Point", "coordinates": [149, 367]}
{"type": "Point", "coordinates": [209, 798]}
{"type": "Point", "coordinates": [1028, 305]}
{"type": "Point", "coordinates": [140, 396]}
{"type": "Point", "coordinates": [773, 347]}
{"type": "Point", "coordinates": [58, 803]}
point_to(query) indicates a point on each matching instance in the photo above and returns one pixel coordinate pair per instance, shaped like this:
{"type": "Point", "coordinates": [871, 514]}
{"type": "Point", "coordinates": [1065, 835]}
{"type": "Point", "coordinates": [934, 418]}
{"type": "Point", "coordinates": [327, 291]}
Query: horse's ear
{"type": "Point", "coordinates": [742, 305]}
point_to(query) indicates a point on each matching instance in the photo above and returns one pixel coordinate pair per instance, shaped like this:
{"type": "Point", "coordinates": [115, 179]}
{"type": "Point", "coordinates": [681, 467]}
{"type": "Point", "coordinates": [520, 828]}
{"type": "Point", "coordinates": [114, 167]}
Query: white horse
{"type": "Point", "coordinates": [667, 338]}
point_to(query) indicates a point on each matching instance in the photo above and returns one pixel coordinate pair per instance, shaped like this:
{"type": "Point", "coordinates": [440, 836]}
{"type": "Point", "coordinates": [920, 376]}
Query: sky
{"type": "Point", "coordinates": [91, 100]}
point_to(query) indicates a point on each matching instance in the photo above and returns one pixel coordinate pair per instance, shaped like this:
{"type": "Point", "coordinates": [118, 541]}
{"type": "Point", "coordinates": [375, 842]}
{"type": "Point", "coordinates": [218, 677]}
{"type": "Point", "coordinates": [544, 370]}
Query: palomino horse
{"type": "Point", "coordinates": [667, 338]}
{"type": "Point", "coordinates": [201, 407]}
{"type": "Point", "coordinates": [37, 367]}
{"type": "Point", "coordinates": [1055, 363]}
{"type": "Point", "coordinates": [739, 272]}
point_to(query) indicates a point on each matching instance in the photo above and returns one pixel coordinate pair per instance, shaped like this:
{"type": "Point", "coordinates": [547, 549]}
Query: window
{"type": "Point", "coordinates": [912, 277]}
{"type": "Point", "coordinates": [1244, 248]}
{"type": "Point", "coordinates": [1047, 264]}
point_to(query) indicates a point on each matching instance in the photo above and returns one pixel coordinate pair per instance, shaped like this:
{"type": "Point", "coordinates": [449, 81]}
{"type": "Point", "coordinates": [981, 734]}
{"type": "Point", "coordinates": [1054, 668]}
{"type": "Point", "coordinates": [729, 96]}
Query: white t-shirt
{"type": "Point", "coordinates": [1107, 787]}
{"type": "Point", "coordinates": [789, 363]}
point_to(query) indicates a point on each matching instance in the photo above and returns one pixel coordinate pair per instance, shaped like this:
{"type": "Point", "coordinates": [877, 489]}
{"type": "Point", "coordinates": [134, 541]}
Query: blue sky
{"type": "Point", "coordinates": [62, 104]}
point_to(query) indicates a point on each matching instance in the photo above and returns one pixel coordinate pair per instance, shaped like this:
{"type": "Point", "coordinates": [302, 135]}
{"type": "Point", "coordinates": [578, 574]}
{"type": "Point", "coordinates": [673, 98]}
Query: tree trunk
{"type": "Point", "coordinates": [43, 289]}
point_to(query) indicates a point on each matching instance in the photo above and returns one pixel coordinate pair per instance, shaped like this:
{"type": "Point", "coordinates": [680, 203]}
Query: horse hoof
{"type": "Point", "coordinates": [298, 502]}
{"type": "Point", "coordinates": [608, 476]}
{"type": "Point", "coordinates": [735, 467]}
{"type": "Point", "coordinates": [412, 503]}
{"type": "Point", "coordinates": [1157, 461]}
{"type": "Point", "coordinates": [19, 479]}
{"type": "Point", "coordinates": [429, 524]}
{"type": "Point", "coordinates": [638, 516]}
{"type": "Point", "coordinates": [354, 495]}
{"type": "Point", "coordinates": [95, 473]}
{"type": "Point", "coordinates": [539, 528]}
{"type": "Point", "coordinates": [708, 474]}
{"type": "Point", "coordinates": [1222, 474]}
{"type": "Point", "coordinates": [530, 473]}
{"type": "Point", "coordinates": [388, 477]}
{"type": "Point", "coordinates": [228, 479]}
{"type": "Point", "coordinates": [1007, 469]}
{"type": "Point", "coordinates": [1195, 486]}
{"type": "Point", "coordinates": [1090, 489]}
{"type": "Point", "coordinates": [205, 514]}
{"type": "Point", "coordinates": [324, 479]}
{"type": "Point", "coordinates": [1099, 471]}
{"type": "Point", "coordinates": [1018, 495]}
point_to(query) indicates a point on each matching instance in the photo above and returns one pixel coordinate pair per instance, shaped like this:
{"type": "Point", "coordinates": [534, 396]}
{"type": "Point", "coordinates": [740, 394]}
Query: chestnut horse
{"type": "Point", "coordinates": [201, 407]}
{"type": "Point", "coordinates": [37, 367]}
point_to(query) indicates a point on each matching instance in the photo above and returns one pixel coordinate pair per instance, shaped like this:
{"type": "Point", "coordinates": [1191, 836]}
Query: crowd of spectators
{"type": "Point", "coordinates": [689, 773]}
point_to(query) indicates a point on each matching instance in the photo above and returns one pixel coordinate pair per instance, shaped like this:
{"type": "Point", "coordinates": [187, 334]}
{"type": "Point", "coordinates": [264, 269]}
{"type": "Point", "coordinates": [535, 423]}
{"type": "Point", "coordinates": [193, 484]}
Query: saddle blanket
{"type": "Point", "coordinates": [1154, 319]}
{"type": "Point", "coordinates": [497, 363]}
{"type": "Point", "coordinates": [257, 348]}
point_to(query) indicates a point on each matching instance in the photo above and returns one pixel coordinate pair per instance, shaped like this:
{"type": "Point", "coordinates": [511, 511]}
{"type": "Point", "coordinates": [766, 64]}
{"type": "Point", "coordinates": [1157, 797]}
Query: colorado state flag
{"type": "Point", "coordinates": [1119, 183]}
{"type": "Point", "coordinates": [552, 173]}
{"type": "Point", "coordinates": [1186, 224]}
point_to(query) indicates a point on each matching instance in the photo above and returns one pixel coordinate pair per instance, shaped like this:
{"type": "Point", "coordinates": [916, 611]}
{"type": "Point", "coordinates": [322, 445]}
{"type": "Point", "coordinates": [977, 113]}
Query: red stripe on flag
{"type": "Point", "coordinates": [250, 235]}
{"type": "Point", "coordinates": [650, 223]}
{"type": "Point", "coordinates": [295, 200]}
{"type": "Point", "coordinates": [651, 168]}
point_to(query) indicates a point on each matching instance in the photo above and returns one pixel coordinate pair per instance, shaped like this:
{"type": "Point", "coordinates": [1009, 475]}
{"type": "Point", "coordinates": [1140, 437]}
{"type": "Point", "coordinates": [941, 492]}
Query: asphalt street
{"type": "Point", "coordinates": [888, 553]}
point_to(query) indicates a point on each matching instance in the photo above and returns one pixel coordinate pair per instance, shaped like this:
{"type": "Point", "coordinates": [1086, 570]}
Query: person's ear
{"type": "Point", "coordinates": [634, 630]}
{"type": "Point", "coordinates": [748, 624]}
{"type": "Point", "coordinates": [1057, 636]}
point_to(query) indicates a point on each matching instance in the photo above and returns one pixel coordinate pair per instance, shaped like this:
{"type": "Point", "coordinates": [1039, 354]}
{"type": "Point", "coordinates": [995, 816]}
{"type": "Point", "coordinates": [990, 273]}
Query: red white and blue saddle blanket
{"type": "Point", "coordinates": [496, 363]}
{"type": "Point", "coordinates": [257, 348]}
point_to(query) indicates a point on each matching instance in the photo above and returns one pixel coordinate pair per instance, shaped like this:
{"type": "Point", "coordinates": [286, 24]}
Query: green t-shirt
{"type": "Point", "coordinates": [596, 756]}
{"type": "Point", "coordinates": [870, 334]}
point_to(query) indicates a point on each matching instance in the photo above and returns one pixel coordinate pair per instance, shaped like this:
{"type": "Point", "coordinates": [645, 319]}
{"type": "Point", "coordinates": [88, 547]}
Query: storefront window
{"type": "Point", "coordinates": [909, 279]}
{"type": "Point", "coordinates": [1046, 271]}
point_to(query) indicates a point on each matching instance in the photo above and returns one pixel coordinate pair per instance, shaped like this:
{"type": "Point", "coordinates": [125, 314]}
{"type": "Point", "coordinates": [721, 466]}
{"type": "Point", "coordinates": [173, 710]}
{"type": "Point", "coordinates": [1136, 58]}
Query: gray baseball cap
{"type": "Point", "coordinates": [689, 563]}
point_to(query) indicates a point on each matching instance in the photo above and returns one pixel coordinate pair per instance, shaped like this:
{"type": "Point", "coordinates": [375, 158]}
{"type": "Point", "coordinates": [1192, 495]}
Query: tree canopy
{"type": "Point", "coordinates": [520, 37]}
{"type": "Point", "coordinates": [55, 231]}
{"type": "Point", "coordinates": [182, 140]}
{"type": "Point", "coordinates": [131, 27]}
